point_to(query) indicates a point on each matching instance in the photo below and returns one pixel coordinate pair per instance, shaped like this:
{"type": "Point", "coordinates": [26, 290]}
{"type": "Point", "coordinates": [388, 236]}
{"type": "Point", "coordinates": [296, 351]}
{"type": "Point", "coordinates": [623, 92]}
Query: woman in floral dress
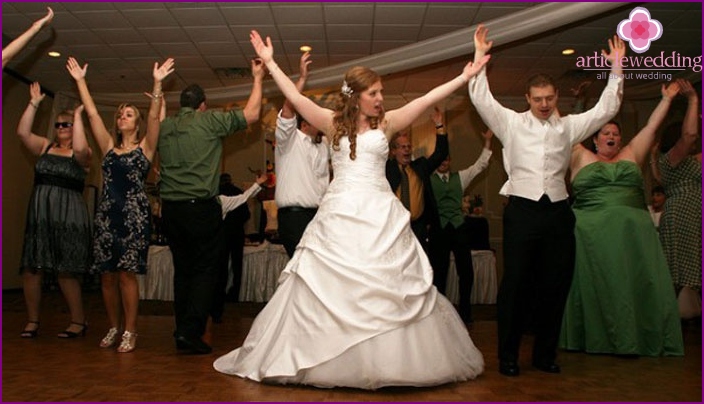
{"type": "Point", "coordinates": [122, 223]}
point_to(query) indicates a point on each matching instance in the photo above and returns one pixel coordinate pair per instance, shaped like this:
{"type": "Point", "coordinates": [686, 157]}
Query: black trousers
{"type": "Point", "coordinates": [292, 223]}
{"type": "Point", "coordinates": [539, 250]}
{"type": "Point", "coordinates": [455, 240]}
{"type": "Point", "coordinates": [194, 231]}
{"type": "Point", "coordinates": [230, 261]}
{"type": "Point", "coordinates": [420, 229]}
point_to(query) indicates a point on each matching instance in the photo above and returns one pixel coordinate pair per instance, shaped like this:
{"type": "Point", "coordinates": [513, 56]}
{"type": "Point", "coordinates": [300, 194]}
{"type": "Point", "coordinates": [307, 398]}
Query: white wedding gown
{"type": "Point", "coordinates": [356, 305]}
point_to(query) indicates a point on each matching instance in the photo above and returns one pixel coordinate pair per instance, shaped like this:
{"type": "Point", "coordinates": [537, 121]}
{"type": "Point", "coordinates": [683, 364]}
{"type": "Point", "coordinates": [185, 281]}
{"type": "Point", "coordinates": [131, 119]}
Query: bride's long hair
{"type": "Point", "coordinates": [357, 80]}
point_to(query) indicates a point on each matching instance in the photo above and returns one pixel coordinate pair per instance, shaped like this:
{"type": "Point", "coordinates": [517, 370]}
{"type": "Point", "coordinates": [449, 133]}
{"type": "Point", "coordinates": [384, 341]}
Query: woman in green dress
{"type": "Point", "coordinates": [621, 300]}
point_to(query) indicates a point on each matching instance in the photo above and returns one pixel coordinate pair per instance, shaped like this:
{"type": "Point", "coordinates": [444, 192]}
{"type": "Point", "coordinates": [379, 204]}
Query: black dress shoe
{"type": "Point", "coordinates": [509, 368]}
{"type": "Point", "coordinates": [547, 367]}
{"type": "Point", "coordinates": [195, 345]}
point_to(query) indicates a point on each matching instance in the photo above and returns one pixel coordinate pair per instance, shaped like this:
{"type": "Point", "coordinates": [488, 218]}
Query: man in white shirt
{"type": "Point", "coordinates": [452, 235]}
{"type": "Point", "coordinates": [302, 173]}
{"type": "Point", "coordinates": [539, 242]}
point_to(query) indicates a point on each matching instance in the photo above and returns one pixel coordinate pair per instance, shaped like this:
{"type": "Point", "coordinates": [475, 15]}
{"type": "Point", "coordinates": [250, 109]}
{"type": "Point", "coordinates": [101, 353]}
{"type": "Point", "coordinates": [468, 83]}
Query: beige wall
{"type": "Point", "coordinates": [248, 149]}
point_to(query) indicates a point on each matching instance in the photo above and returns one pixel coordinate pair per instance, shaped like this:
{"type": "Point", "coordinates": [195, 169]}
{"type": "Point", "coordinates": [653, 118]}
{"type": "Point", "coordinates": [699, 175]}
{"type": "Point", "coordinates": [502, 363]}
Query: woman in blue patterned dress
{"type": "Point", "coordinates": [57, 234]}
{"type": "Point", "coordinates": [122, 223]}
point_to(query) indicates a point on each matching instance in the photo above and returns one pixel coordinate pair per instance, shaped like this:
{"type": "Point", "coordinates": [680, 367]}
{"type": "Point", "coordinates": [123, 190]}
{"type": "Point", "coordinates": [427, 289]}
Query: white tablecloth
{"type": "Point", "coordinates": [263, 264]}
{"type": "Point", "coordinates": [485, 286]}
{"type": "Point", "coordinates": [261, 268]}
{"type": "Point", "coordinates": [158, 283]}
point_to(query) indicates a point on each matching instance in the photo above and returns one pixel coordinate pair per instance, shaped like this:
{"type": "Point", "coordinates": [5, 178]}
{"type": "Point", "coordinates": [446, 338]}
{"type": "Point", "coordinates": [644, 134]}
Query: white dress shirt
{"type": "Point", "coordinates": [537, 153]}
{"type": "Point", "coordinates": [468, 174]}
{"type": "Point", "coordinates": [302, 173]}
{"type": "Point", "coordinates": [230, 203]}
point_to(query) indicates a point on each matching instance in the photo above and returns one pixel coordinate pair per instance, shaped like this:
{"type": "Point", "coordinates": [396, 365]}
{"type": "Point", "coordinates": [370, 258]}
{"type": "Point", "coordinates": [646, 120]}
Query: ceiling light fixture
{"type": "Point", "coordinates": [54, 54]}
{"type": "Point", "coordinates": [568, 51]}
{"type": "Point", "coordinates": [305, 48]}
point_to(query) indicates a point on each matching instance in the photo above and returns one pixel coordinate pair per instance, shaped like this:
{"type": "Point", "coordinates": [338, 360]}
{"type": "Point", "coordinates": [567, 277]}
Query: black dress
{"type": "Point", "coordinates": [57, 235]}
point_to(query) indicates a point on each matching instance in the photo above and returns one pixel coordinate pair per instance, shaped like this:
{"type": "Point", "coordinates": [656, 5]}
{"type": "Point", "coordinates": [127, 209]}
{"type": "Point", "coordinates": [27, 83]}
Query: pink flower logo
{"type": "Point", "coordinates": [639, 30]}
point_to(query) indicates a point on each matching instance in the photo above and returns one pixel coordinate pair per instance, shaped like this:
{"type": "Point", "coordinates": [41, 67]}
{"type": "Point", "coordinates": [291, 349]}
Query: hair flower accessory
{"type": "Point", "coordinates": [346, 89]}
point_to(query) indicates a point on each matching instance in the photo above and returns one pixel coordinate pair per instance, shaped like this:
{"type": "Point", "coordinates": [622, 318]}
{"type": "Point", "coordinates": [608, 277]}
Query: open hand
{"type": "Point", "coordinates": [75, 70]}
{"type": "Point", "coordinates": [160, 72]}
{"type": "Point", "coordinates": [35, 93]}
{"type": "Point", "coordinates": [686, 88]}
{"type": "Point", "coordinates": [46, 19]}
{"type": "Point", "coordinates": [264, 50]}
{"type": "Point", "coordinates": [617, 50]}
{"type": "Point", "coordinates": [671, 90]}
{"type": "Point", "coordinates": [480, 42]}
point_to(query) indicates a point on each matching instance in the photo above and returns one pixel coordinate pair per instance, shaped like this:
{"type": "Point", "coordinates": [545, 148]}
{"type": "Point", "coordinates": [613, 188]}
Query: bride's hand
{"type": "Point", "coordinates": [265, 51]}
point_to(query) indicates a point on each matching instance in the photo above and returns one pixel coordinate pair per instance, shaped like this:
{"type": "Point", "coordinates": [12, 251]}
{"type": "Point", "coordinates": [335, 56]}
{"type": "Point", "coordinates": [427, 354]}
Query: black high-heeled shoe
{"type": "Point", "coordinates": [71, 334]}
{"type": "Point", "coordinates": [30, 333]}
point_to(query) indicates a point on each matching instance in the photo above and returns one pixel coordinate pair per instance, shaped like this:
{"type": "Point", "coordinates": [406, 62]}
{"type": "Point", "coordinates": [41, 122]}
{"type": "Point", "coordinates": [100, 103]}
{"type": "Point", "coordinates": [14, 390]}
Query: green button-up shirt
{"type": "Point", "coordinates": [190, 148]}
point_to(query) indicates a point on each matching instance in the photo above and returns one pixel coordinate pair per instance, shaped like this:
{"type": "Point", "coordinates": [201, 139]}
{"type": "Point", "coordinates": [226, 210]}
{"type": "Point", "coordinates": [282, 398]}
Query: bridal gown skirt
{"type": "Point", "coordinates": [355, 306]}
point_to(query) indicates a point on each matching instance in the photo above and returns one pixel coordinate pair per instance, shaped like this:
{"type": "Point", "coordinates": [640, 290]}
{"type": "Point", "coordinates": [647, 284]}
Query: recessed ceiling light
{"type": "Point", "coordinates": [568, 51]}
{"type": "Point", "coordinates": [305, 48]}
{"type": "Point", "coordinates": [54, 54]}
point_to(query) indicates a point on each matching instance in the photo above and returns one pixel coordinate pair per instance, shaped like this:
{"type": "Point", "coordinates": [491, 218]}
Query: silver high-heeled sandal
{"type": "Point", "coordinates": [129, 342]}
{"type": "Point", "coordinates": [109, 339]}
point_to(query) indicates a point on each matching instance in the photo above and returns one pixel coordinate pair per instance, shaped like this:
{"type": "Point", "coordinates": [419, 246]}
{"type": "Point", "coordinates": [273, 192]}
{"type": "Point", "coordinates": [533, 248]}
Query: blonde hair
{"type": "Point", "coordinates": [358, 79]}
{"type": "Point", "coordinates": [118, 113]}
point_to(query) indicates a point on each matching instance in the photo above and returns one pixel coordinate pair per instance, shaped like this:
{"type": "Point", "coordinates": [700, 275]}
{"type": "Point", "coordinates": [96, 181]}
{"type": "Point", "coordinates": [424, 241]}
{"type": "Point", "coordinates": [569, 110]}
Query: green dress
{"type": "Point", "coordinates": [622, 300]}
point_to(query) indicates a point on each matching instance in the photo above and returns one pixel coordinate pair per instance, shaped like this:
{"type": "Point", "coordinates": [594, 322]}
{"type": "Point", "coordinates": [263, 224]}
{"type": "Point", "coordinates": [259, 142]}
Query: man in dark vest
{"type": "Point", "coordinates": [452, 234]}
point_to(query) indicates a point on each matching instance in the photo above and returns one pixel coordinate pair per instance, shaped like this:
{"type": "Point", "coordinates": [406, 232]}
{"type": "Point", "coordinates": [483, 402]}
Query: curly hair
{"type": "Point", "coordinates": [347, 107]}
{"type": "Point", "coordinates": [118, 113]}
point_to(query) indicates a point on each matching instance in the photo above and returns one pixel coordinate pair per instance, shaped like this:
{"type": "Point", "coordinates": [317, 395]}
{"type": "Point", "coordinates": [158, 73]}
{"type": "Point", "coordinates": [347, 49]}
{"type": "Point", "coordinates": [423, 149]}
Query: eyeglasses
{"type": "Point", "coordinates": [58, 125]}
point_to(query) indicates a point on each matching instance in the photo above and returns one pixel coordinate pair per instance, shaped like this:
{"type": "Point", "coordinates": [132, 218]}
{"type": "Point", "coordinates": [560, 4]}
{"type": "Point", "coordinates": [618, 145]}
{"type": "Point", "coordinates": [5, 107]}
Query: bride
{"type": "Point", "coordinates": [356, 305]}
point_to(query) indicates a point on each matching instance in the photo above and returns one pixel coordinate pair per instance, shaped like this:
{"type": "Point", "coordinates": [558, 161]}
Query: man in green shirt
{"type": "Point", "coordinates": [190, 148]}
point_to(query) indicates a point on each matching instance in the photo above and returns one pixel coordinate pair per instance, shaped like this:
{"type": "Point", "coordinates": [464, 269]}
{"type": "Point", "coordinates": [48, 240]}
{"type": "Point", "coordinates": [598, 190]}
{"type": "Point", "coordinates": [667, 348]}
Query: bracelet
{"type": "Point", "coordinates": [36, 106]}
{"type": "Point", "coordinates": [157, 95]}
{"type": "Point", "coordinates": [439, 125]}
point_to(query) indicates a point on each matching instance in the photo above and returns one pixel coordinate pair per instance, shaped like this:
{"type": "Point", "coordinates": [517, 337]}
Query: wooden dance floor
{"type": "Point", "coordinates": [50, 369]}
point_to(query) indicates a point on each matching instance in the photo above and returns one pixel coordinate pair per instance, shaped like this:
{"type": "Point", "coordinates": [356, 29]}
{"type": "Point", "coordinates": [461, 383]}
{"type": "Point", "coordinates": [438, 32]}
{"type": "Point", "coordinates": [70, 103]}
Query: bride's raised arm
{"type": "Point", "coordinates": [400, 118]}
{"type": "Point", "coordinates": [318, 116]}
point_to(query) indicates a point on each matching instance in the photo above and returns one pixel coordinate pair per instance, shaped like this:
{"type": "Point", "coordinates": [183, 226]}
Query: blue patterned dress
{"type": "Point", "coordinates": [123, 220]}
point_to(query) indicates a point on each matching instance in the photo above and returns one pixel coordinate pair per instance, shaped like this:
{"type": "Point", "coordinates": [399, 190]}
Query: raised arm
{"type": "Point", "coordinates": [21, 41]}
{"type": "Point", "coordinates": [154, 115]}
{"type": "Point", "coordinates": [34, 143]}
{"type": "Point", "coordinates": [100, 132]}
{"type": "Point", "coordinates": [402, 117]}
{"type": "Point", "coordinates": [318, 116]}
{"type": "Point", "coordinates": [468, 174]}
{"type": "Point", "coordinates": [288, 111]}
{"type": "Point", "coordinates": [253, 109]}
{"type": "Point", "coordinates": [690, 125]}
{"type": "Point", "coordinates": [481, 44]}
{"type": "Point", "coordinates": [581, 126]}
{"type": "Point", "coordinates": [654, 168]}
{"type": "Point", "coordinates": [643, 141]}
{"type": "Point", "coordinates": [81, 150]}
{"type": "Point", "coordinates": [230, 203]}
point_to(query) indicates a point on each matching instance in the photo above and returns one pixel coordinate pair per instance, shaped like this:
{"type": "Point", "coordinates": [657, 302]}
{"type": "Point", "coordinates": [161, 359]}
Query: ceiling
{"type": "Point", "coordinates": [210, 41]}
